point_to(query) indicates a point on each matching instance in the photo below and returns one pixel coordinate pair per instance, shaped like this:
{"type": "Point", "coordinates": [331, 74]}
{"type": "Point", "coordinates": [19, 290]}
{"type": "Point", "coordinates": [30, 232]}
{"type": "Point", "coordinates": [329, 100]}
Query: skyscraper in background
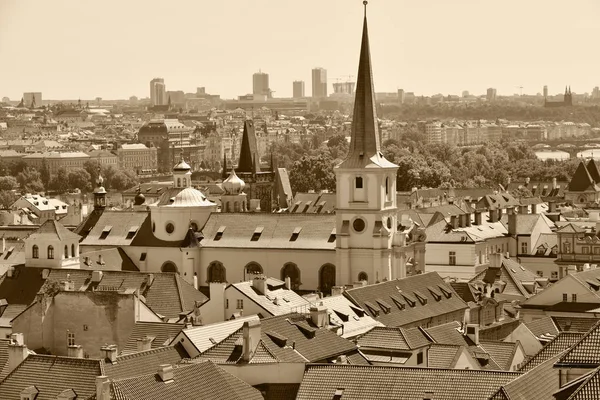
{"type": "Point", "coordinates": [401, 96]}
{"type": "Point", "coordinates": [545, 90]}
{"type": "Point", "coordinates": [158, 91]}
{"type": "Point", "coordinates": [319, 82]}
{"type": "Point", "coordinates": [298, 89]}
{"type": "Point", "coordinates": [491, 94]}
{"type": "Point", "coordinates": [260, 84]}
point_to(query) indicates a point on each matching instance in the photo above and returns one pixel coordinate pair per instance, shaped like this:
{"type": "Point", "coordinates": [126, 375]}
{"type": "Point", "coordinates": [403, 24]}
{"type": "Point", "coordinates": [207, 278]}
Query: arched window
{"type": "Point", "coordinates": [254, 268]}
{"type": "Point", "coordinates": [216, 272]}
{"type": "Point", "coordinates": [387, 186]}
{"type": "Point", "coordinates": [178, 182]}
{"type": "Point", "coordinates": [72, 250]}
{"type": "Point", "coordinates": [326, 278]}
{"type": "Point", "coordinates": [362, 276]}
{"type": "Point", "coordinates": [169, 266]}
{"type": "Point", "coordinates": [66, 253]}
{"type": "Point", "coordinates": [35, 251]}
{"type": "Point", "coordinates": [50, 253]}
{"type": "Point", "coordinates": [292, 271]}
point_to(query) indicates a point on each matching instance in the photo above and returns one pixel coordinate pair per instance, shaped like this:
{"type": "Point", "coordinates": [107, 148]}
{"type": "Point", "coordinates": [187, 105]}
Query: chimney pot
{"type": "Point", "coordinates": [251, 337]}
{"type": "Point", "coordinates": [165, 372]}
{"type": "Point", "coordinates": [259, 282]}
{"type": "Point", "coordinates": [17, 351]}
{"type": "Point", "coordinates": [102, 388]}
{"type": "Point", "coordinates": [75, 351]}
{"type": "Point", "coordinates": [144, 343]}
{"type": "Point", "coordinates": [110, 353]}
{"type": "Point", "coordinates": [319, 316]}
{"type": "Point", "coordinates": [288, 283]}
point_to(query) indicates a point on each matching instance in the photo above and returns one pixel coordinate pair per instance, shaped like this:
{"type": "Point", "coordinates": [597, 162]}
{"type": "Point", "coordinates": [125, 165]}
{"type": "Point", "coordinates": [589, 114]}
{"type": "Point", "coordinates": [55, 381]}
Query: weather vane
{"type": "Point", "coordinates": [365, 4]}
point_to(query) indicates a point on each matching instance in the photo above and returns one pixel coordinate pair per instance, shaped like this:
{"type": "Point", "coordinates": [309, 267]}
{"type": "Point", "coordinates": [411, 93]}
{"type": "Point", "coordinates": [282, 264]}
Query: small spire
{"type": "Point", "coordinates": [365, 4]}
{"type": "Point", "coordinates": [224, 174]}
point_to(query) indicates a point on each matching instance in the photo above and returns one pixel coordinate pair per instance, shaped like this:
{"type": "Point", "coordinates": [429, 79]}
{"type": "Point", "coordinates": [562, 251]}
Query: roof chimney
{"type": "Point", "coordinates": [337, 290]}
{"type": "Point", "coordinates": [144, 343]}
{"type": "Point", "coordinates": [165, 372]}
{"type": "Point", "coordinates": [102, 388]}
{"type": "Point", "coordinates": [260, 284]}
{"type": "Point", "coordinates": [288, 283]}
{"type": "Point", "coordinates": [17, 351]}
{"type": "Point", "coordinates": [512, 224]}
{"type": "Point", "coordinates": [109, 353]}
{"type": "Point", "coordinates": [75, 351]}
{"type": "Point", "coordinates": [97, 276]}
{"type": "Point", "coordinates": [251, 337]}
{"type": "Point", "coordinates": [319, 316]}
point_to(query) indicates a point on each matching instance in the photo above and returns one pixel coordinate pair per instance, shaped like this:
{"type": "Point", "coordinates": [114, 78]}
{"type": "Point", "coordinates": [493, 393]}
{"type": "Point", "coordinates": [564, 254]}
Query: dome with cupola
{"type": "Point", "coordinates": [182, 166]}
{"type": "Point", "coordinates": [190, 197]}
{"type": "Point", "coordinates": [233, 184]}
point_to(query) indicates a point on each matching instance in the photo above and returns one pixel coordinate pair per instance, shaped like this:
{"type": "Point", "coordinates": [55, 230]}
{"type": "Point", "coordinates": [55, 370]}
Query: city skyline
{"type": "Point", "coordinates": [412, 48]}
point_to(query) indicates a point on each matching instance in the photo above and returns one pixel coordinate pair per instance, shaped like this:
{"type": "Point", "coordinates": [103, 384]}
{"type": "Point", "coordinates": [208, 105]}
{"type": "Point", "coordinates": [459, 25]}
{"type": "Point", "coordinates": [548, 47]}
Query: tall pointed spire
{"type": "Point", "coordinates": [249, 159]}
{"type": "Point", "coordinates": [364, 143]}
{"type": "Point", "coordinates": [224, 173]}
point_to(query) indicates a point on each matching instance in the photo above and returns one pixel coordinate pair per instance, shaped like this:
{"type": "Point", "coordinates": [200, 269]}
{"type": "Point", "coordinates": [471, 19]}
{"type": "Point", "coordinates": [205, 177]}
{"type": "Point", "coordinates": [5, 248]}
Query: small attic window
{"type": "Point", "coordinates": [132, 232]}
{"type": "Point", "coordinates": [219, 234]}
{"type": "Point", "coordinates": [143, 257]}
{"type": "Point", "coordinates": [332, 236]}
{"type": "Point", "coordinates": [337, 395]}
{"type": "Point", "coordinates": [105, 232]}
{"type": "Point", "coordinates": [295, 234]}
{"type": "Point", "coordinates": [257, 232]}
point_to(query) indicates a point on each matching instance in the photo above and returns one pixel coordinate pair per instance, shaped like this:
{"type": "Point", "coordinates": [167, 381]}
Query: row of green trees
{"type": "Point", "coordinates": [424, 165]}
{"type": "Point", "coordinates": [17, 176]}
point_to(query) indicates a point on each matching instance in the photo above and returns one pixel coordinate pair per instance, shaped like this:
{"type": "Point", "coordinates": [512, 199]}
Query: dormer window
{"type": "Point", "coordinates": [257, 232]}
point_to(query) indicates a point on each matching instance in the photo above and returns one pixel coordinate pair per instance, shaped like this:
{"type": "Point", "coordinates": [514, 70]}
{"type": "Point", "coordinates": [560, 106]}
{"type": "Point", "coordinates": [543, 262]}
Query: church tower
{"type": "Point", "coordinates": [366, 223]}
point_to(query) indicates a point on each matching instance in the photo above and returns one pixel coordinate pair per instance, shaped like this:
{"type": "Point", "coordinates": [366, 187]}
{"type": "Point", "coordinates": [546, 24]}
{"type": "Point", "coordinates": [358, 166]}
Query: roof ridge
{"type": "Point", "coordinates": [458, 371]}
{"type": "Point", "coordinates": [592, 374]}
{"type": "Point", "coordinates": [136, 354]}
{"type": "Point", "coordinates": [179, 292]}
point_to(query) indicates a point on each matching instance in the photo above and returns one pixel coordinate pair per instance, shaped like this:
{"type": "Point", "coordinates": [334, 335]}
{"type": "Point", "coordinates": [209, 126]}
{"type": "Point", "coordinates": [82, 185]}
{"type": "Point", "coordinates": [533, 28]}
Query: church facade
{"type": "Point", "coordinates": [183, 231]}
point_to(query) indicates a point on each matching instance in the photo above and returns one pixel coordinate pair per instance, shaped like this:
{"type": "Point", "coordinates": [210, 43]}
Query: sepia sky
{"type": "Point", "coordinates": [70, 49]}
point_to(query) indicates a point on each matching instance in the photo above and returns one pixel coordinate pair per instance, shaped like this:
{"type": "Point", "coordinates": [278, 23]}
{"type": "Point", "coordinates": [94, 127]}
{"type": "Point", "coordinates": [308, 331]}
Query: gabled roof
{"type": "Point", "coordinates": [189, 380]}
{"type": "Point", "coordinates": [206, 336]}
{"type": "Point", "coordinates": [592, 168]}
{"type": "Point", "coordinates": [353, 320]}
{"type": "Point", "coordinates": [312, 343]}
{"type": "Point", "coordinates": [237, 231]}
{"type": "Point", "coordinates": [276, 301]}
{"type": "Point", "coordinates": [229, 351]}
{"type": "Point", "coordinates": [393, 339]}
{"type": "Point", "coordinates": [574, 324]}
{"type": "Point", "coordinates": [588, 388]}
{"type": "Point", "coordinates": [570, 228]}
{"type": "Point", "coordinates": [167, 294]}
{"type": "Point", "coordinates": [51, 375]}
{"type": "Point", "coordinates": [162, 333]}
{"type": "Point", "coordinates": [144, 362]}
{"type": "Point", "coordinates": [113, 228]}
{"type": "Point", "coordinates": [320, 382]}
{"type": "Point", "coordinates": [539, 383]}
{"type": "Point", "coordinates": [582, 180]}
{"type": "Point", "coordinates": [53, 230]}
{"type": "Point", "coordinates": [543, 328]}
{"type": "Point", "coordinates": [585, 353]}
{"type": "Point", "coordinates": [556, 346]}
{"type": "Point", "coordinates": [501, 352]}
{"type": "Point", "coordinates": [443, 355]}
{"type": "Point", "coordinates": [436, 298]}
{"type": "Point", "coordinates": [514, 275]}
{"type": "Point", "coordinates": [114, 259]}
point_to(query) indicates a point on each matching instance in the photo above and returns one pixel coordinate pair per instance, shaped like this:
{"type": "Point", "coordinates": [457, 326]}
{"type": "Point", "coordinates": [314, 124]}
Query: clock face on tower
{"type": "Point", "coordinates": [359, 225]}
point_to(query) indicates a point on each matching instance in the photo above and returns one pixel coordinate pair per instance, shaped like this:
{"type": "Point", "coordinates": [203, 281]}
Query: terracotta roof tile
{"type": "Point", "coordinates": [51, 375]}
{"type": "Point", "coordinates": [162, 334]}
{"type": "Point", "coordinates": [586, 352]}
{"type": "Point", "coordinates": [189, 380]}
{"type": "Point", "coordinates": [542, 327]}
{"type": "Point", "coordinates": [574, 324]}
{"type": "Point", "coordinates": [501, 352]}
{"type": "Point", "coordinates": [442, 355]}
{"type": "Point", "coordinates": [589, 388]}
{"type": "Point", "coordinates": [320, 382]}
{"type": "Point", "coordinates": [556, 346]}
{"type": "Point", "coordinates": [144, 362]}
{"type": "Point", "coordinates": [393, 339]}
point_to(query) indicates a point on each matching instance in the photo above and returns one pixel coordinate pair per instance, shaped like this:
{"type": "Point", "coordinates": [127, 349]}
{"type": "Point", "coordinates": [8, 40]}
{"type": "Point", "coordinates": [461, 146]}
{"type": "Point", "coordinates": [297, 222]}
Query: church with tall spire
{"type": "Point", "coordinates": [363, 241]}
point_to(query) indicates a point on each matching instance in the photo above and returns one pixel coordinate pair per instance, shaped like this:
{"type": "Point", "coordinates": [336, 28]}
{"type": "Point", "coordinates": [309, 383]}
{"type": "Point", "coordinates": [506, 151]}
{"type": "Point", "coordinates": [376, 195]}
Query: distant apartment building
{"type": "Point", "coordinates": [401, 96]}
{"type": "Point", "coordinates": [158, 92]}
{"type": "Point", "coordinates": [432, 131]}
{"type": "Point", "coordinates": [596, 93]}
{"type": "Point", "coordinates": [545, 91]}
{"type": "Point", "coordinates": [260, 84]}
{"type": "Point", "coordinates": [298, 87]}
{"type": "Point", "coordinates": [32, 99]}
{"type": "Point", "coordinates": [491, 94]}
{"type": "Point", "coordinates": [343, 88]}
{"type": "Point", "coordinates": [104, 158]}
{"type": "Point", "coordinates": [170, 137]}
{"type": "Point", "coordinates": [137, 157]}
{"type": "Point", "coordinates": [319, 82]}
{"type": "Point", "coordinates": [176, 97]}
{"type": "Point", "coordinates": [55, 160]}
{"type": "Point", "coordinates": [452, 134]}
{"type": "Point", "coordinates": [410, 98]}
